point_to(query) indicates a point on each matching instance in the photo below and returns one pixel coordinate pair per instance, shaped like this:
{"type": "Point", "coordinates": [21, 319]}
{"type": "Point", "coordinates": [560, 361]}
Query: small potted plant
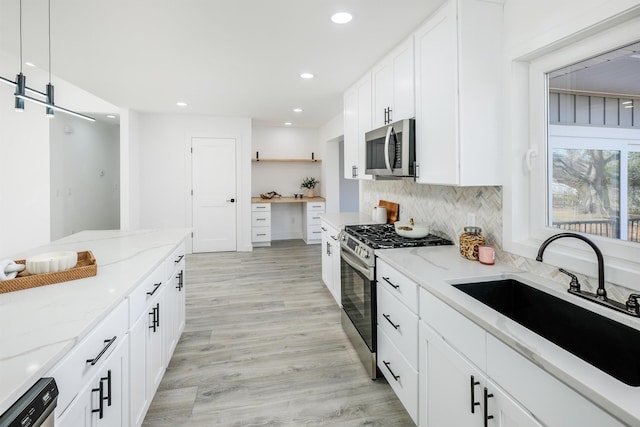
{"type": "Point", "coordinates": [309, 184]}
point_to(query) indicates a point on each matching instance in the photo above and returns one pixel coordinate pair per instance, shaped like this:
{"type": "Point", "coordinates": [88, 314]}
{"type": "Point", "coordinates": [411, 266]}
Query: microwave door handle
{"type": "Point", "coordinates": [387, 161]}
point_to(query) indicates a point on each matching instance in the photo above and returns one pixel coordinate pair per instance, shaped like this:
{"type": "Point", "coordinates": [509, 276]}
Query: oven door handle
{"type": "Point", "coordinates": [353, 262]}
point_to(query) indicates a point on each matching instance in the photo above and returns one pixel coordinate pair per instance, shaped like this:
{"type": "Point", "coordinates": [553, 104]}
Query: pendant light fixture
{"type": "Point", "coordinates": [22, 88]}
{"type": "Point", "coordinates": [21, 80]}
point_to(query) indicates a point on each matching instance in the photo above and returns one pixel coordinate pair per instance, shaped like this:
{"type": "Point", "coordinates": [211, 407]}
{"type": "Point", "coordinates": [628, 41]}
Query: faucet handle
{"type": "Point", "coordinates": [632, 304]}
{"type": "Point", "coordinates": [575, 284]}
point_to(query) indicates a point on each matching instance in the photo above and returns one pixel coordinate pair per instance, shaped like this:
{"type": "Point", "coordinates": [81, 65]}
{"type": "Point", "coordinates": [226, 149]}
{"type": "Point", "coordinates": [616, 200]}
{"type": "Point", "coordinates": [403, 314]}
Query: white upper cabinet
{"type": "Point", "coordinates": [357, 121]}
{"type": "Point", "coordinates": [393, 86]}
{"type": "Point", "coordinates": [457, 70]}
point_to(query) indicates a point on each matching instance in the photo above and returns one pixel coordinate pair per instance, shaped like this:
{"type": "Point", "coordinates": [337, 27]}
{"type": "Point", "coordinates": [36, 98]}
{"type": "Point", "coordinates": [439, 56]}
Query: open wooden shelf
{"type": "Point", "coordinates": [286, 160]}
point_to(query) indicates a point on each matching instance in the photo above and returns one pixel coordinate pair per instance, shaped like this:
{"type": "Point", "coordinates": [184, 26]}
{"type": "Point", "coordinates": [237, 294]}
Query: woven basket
{"type": "Point", "coordinates": [86, 267]}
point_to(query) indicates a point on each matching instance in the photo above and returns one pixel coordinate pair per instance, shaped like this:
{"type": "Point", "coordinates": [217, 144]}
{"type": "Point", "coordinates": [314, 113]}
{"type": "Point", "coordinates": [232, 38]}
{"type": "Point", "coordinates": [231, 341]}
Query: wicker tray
{"type": "Point", "coordinates": [86, 267]}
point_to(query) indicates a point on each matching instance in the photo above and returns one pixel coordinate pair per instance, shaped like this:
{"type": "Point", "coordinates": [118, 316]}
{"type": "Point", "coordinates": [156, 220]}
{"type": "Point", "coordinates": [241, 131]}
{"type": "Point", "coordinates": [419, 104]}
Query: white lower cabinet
{"type": "Point", "coordinates": [104, 401]}
{"type": "Point", "coordinates": [110, 378]}
{"type": "Point", "coordinates": [456, 393]}
{"type": "Point", "coordinates": [397, 330]}
{"type": "Point", "coordinates": [470, 378]}
{"type": "Point", "coordinates": [312, 222]}
{"type": "Point", "coordinates": [331, 260]}
{"type": "Point", "coordinates": [147, 361]}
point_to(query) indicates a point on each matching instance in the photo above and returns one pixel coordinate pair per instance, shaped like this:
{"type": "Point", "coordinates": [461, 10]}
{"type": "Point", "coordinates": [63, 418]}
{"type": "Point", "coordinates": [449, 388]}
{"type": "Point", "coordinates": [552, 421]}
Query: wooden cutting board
{"type": "Point", "coordinates": [393, 211]}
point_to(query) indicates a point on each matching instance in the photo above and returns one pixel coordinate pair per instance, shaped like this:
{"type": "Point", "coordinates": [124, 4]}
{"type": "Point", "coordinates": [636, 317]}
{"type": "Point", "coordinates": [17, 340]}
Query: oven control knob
{"type": "Point", "coordinates": [366, 254]}
{"type": "Point", "coordinates": [358, 250]}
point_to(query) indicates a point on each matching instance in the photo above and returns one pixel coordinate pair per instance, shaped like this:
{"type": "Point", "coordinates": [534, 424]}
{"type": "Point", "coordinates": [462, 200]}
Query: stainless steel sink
{"type": "Point", "coordinates": [604, 343]}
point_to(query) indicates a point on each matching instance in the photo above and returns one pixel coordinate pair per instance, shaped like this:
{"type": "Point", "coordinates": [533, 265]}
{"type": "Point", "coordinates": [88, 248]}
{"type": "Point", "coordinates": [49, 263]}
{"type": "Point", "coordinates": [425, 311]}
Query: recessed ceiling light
{"type": "Point", "coordinates": [341, 17]}
{"type": "Point", "coordinates": [627, 102]}
{"type": "Point", "coordinates": [288, 123]}
{"type": "Point", "coordinates": [297, 110]}
{"type": "Point", "coordinates": [111, 116]}
{"type": "Point", "coordinates": [29, 64]}
{"type": "Point", "coordinates": [181, 104]}
{"type": "Point", "coordinates": [306, 75]}
{"type": "Point", "coordinates": [635, 55]}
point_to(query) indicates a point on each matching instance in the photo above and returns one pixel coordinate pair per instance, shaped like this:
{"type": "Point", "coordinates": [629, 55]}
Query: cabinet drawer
{"type": "Point", "coordinates": [314, 232]}
{"type": "Point", "coordinates": [399, 324]}
{"type": "Point", "coordinates": [260, 234]}
{"type": "Point", "coordinates": [260, 219]}
{"type": "Point", "coordinates": [315, 206]}
{"type": "Point", "coordinates": [313, 218]}
{"type": "Point", "coordinates": [461, 333]}
{"type": "Point", "coordinates": [261, 207]}
{"type": "Point", "coordinates": [405, 382]}
{"type": "Point", "coordinates": [144, 293]}
{"type": "Point", "coordinates": [76, 369]}
{"type": "Point", "coordinates": [398, 284]}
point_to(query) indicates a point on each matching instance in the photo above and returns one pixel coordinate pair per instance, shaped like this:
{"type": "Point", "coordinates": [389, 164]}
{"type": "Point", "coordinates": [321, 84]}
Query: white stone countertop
{"type": "Point", "coordinates": [339, 220]}
{"type": "Point", "coordinates": [436, 268]}
{"type": "Point", "coordinates": [38, 326]}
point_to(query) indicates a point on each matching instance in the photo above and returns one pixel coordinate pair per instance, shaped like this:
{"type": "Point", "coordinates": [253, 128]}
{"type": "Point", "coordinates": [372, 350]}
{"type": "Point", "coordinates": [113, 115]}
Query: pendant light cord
{"type": "Point", "coordinates": [20, 36]}
{"type": "Point", "coordinates": [49, 41]}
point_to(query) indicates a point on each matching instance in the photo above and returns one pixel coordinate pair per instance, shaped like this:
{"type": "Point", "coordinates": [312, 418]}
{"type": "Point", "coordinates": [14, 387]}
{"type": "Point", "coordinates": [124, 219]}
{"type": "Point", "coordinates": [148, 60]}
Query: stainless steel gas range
{"type": "Point", "coordinates": [358, 281]}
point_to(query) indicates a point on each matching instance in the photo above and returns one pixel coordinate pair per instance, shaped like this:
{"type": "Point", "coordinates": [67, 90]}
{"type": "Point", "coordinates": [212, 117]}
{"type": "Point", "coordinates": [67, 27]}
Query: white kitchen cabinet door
{"type": "Point", "coordinates": [453, 392]}
{"type": "Point", "coordinates": [110, 392]}
{"type": "Point", "coordinates": [505, 411]}
{"type": "Point", "coordinates": [103, 402]}
{"type": "Point", "coordinates": [175, 312]}
{"type": "Point", "coordinates": [393, 86]}
{"type": "Point", "coordinates": [357, 121]}
{"type": "Point", "coordinates": [458, 110]}
{"type": "Point", "coordinates": [447, 397]}
{"type": "Point", "coordinates": [146, 356]}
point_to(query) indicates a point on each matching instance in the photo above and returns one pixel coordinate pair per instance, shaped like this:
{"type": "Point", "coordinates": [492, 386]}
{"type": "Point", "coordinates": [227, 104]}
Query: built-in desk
{"type": "Point", "coordinates": [312, 207]}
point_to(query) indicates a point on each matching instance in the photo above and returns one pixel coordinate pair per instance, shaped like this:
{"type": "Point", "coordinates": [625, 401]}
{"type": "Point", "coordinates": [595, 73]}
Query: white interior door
{"type": "Point", "coordinates": [213, 168]}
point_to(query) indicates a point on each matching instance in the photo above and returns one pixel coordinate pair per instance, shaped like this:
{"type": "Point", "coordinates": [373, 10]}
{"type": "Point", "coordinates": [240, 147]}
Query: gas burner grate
{"type": "Point", "coordinates": [384, 236]}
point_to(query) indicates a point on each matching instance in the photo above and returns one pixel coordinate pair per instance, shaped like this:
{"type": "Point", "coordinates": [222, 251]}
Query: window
{"type": "Point", "coordinates": [593, 140]}
{"type": "Point", "coordinates": [575, 150]}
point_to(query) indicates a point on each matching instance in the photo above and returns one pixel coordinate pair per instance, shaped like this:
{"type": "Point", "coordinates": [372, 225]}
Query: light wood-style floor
{"type": "Point", "coordinates": [263, 346]}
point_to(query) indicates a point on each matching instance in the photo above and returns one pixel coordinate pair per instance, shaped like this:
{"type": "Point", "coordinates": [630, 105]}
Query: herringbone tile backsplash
{"type": "Point", "coordinates": [445, 209]}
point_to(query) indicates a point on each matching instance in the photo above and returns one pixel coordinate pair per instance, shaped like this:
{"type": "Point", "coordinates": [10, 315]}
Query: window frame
{"type": "Point", "coordinates": [526, 189]}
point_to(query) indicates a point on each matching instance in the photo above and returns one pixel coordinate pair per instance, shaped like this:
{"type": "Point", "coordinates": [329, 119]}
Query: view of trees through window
{"type": "Point", "coordinates": [594, 145]}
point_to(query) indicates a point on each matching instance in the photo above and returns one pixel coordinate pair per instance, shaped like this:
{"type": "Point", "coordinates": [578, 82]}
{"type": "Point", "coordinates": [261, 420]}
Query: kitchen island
{"type": "Point", "coordinates": [40, 326]}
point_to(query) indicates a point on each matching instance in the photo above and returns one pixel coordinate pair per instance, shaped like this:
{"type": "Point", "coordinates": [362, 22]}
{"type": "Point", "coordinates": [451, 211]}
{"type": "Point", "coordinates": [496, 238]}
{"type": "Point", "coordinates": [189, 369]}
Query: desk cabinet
{"type": "Point", "coordinates": [261, 224]}
{"type": "Point", "coordinates": [311, 222]}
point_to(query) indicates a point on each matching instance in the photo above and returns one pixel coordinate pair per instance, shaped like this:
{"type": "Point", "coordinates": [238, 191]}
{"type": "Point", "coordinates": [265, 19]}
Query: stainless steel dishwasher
{"type": "Point", "coordinates": [34, 408]}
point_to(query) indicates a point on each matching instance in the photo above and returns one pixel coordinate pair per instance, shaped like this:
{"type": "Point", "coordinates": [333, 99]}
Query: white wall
{"type": "Point", "coordinates": [165, 163]}
{"type": "Point", "coordinates": [24, 176]}
{"type": "Point", "coordinates": [85, 176]}
{"type": "Point", "coordinates": [274, 142]}
{"type": "Point", "coordinates": [329, 137]}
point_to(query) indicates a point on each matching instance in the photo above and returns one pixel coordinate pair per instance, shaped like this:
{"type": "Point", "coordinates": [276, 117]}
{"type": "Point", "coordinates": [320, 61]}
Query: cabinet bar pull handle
{"type": "Point", "coordinates": [153, 324]}
{"type": "Point", "coordinates": [261, 219]}
{"type": "Point", "coordinates": [487, 417]}
{"type": "Point", "coordinates": [386, 279]}
{"type": "Point", "coordinates": [323, 228]}
{"type": "Point", "coordinates": [180, 278]}
{"type": "Point", "coordinates": [155, 288]}
{"type": "Point", "coordinates": [104, 350]}
{"type": "Point", "coordinates": [473, 384]}
{"type": "Point", "coordinates": [179, 259]}
{"type": "Point", "coordinates": [386, 316]}
{"type": "Point", "coordinates": [100, 409]}
{"type": "Point", "coordinates": [261, 234]}
{"type": "Point", "coordinates": [108, 380]}
{"type": "Point", "coordinates": [395, 377]}
{"type": "Point", "coordinates": [158, 315]}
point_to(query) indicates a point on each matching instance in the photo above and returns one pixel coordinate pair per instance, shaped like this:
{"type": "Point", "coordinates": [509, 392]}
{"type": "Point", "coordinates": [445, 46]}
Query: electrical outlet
{"type": "Point", "coordinates": [471, 219]}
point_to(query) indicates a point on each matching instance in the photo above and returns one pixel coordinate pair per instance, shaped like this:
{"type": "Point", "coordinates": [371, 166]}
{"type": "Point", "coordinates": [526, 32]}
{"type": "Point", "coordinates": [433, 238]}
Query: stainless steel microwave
{"type": "Point", "coordinates": [391, 150]}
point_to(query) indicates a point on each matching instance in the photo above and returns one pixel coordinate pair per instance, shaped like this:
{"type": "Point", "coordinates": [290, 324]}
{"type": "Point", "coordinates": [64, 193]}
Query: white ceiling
{"type": "Point", "coordinates": [225, 58]}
